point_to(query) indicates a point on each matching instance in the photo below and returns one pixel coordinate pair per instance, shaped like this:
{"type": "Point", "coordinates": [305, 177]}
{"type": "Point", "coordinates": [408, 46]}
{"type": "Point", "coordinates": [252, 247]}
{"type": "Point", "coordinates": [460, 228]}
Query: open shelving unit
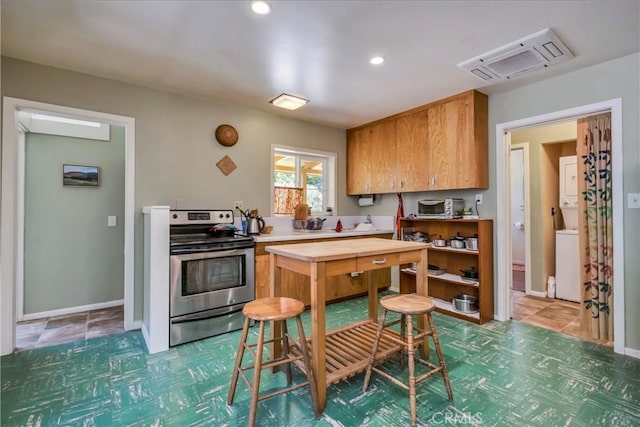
{"type": "Point", "coordinates": [443, 287]}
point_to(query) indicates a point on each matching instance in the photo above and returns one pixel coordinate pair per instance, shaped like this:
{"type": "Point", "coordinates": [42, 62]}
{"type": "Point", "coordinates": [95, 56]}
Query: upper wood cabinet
{"type": "Point", "coordinates": [412, 151]}
{"type": "Point", "coordinates": [458, 138]}
{"type": "Point", "coordinates": [442, 145]}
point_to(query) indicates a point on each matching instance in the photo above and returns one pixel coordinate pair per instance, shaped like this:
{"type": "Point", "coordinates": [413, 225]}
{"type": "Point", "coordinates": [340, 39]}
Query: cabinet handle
{"type": "Point", "coordinates": [433, 181]}
{"type": "Point", "coordinates": [393, 184]}
{"type": "Point", "coordinates": [379, 261]}
{"type": "Point", "coordinates": [401, 184]}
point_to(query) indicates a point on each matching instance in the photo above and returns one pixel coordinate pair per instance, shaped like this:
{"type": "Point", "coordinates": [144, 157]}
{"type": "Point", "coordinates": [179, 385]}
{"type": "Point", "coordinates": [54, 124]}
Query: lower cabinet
{"type": "Point", "coordinates": [297, 285]}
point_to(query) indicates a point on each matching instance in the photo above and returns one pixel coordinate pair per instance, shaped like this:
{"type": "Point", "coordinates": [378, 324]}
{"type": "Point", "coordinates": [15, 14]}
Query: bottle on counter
{"type": "Point", "coordinates": [339, 226]}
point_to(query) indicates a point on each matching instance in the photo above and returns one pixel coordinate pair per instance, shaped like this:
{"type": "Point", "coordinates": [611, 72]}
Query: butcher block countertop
{"type": "Point", "coordinates": [328, 251]}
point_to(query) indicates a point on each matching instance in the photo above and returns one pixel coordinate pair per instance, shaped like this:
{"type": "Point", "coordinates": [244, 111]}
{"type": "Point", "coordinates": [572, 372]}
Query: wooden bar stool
{"type": "Point", "coordinates": [278, 310]}
{"type": "Point", "coordinates": [409, 305]}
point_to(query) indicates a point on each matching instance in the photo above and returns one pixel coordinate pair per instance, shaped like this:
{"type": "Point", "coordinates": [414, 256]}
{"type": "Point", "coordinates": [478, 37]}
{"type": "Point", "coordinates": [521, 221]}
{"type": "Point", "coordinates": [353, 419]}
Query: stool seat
{"type": "Point", "coordinates": [407, 304]}
{"type": "Point", "coordinates": [278, 308]}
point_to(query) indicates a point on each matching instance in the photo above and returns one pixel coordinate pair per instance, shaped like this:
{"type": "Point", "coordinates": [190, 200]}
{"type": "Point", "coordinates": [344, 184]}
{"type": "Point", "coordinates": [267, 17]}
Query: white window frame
{"type": "Point", "coordinates": [329, 192]}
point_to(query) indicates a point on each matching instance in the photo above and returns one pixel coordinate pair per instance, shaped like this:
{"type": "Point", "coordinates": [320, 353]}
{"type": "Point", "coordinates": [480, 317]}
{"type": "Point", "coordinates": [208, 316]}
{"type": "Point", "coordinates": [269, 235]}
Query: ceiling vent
{"type": "Point", "coordinates": [530, 53]}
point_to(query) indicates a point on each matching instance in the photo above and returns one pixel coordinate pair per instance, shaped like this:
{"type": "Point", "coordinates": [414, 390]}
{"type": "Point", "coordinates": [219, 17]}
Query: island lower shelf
{"type": "Point", "coordinates": [348, 349]}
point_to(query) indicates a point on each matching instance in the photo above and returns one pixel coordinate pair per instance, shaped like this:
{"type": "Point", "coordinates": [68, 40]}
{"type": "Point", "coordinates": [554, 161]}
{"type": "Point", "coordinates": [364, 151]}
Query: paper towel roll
{"type": "Point", "coordinates": [365, 201]}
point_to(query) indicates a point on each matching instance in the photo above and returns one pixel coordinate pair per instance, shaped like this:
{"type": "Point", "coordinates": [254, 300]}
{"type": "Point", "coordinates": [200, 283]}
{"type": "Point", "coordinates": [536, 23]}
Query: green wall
{"type": "Point", "coordinates": [71, 257]}
{"type": "Point", "coordinates": [176, 152]}
{"type": "Point", "coordinates": [176, 155]}
{"type": "Point", "coordinates": [610, 80]}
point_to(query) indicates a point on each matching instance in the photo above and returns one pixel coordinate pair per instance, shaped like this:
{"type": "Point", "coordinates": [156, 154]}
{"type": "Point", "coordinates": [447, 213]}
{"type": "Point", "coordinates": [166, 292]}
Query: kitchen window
{"type": "Point", "coordinates": [302, 176]}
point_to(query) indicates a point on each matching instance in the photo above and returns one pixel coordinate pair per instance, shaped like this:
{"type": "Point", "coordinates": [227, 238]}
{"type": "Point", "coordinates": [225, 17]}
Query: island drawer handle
{"type": "Point", "coordinates": [380, 261]}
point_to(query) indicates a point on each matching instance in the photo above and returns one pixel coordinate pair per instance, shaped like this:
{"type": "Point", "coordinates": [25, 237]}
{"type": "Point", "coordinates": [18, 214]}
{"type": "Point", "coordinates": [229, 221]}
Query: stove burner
{"type": "Point", "coordinates": [190, 232]}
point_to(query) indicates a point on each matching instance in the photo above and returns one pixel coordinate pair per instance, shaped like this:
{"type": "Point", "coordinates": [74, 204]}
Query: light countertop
{"type": "Point", "coordinates": [282, 229]}
{"type": "Point", "coordinates": [320, 234]}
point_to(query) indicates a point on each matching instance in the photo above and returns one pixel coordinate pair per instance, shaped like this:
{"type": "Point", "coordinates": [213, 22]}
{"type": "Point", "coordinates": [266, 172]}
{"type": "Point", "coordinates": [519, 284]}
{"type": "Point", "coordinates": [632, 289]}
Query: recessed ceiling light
{"type": "Point", "coordinates": [288, 102]}
{"type": "Point", "coordinates": [261, 7]}
{"type": "Point", "coordinates": [377, 60]}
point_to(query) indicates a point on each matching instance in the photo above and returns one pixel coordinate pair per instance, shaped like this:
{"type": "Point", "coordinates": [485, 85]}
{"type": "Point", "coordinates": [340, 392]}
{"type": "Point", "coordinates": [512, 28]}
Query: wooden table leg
{"type": "Point", "coordinates": [373, 295]}
{"type": "Point", "coordinates": [422, 288]}
{"type": "Point", "coordinates": [275, 287]}
{"type": "Point", "coordinates": [318, 330]}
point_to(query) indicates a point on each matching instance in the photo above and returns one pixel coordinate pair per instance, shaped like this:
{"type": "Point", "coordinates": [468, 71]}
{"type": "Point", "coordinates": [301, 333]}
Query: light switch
{"type": "Point", "coordinates": [634, 200]}
{"type": "Point", "coordinates": [111, 221]}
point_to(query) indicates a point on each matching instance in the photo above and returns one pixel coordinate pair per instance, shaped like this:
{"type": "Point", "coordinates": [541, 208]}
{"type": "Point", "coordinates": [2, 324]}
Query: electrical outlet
{"type": "Point", "coordinates": [634, 200]}
{"type": "Point", "coordinates": [479, 199]}
{"type": "Point", "coordinates": [238, 204]}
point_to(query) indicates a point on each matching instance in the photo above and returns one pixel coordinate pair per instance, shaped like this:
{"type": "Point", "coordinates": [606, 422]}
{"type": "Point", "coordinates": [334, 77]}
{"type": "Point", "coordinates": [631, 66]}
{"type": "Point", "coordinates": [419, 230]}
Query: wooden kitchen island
{"type": "Point", "coordinates": [345, 351]}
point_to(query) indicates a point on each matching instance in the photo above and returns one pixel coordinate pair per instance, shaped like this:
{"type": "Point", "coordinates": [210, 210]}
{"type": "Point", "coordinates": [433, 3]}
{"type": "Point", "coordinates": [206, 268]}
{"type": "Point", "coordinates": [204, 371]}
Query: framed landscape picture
{"type": "Point", "coordinates": [80, 176]}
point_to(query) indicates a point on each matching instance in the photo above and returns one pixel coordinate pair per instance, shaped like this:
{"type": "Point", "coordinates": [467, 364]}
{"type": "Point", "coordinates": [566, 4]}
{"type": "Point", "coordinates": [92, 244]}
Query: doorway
{"type": "Point", "coordinates": [12, 213]}
{"type": "Point", "coordinates": [520, 252]}
{"type": "Point", "coordinates": [504, 229]}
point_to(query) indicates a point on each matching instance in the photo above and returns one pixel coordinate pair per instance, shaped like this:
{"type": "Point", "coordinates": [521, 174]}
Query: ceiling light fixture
{"type": "Point", "coordinates": [66, 120]}
{"type": "Point", "coordinates": [288, 102]}
{"type": "Point", "coordinates": [377, 60]}
{"type": "Point", "coordinates": [261, 7]}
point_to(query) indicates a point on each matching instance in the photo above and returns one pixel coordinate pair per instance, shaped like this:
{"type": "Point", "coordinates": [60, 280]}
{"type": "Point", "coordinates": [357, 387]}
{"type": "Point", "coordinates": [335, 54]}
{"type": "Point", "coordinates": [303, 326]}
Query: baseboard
{"type": "Point", "coordinates": [137, 324]}
{"type": "Point", "coordinates": [632, 352]}
{"type": "Point", "coordinates": [145, 335]}
{"type": "Point", "coordinates": [72, 310]}
{"type": "Point", "coordinates": [537, 294]}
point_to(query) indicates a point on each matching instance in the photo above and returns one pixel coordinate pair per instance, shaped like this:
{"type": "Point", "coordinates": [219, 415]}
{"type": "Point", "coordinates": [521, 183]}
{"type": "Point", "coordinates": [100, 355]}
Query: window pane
{"type": "Point", "coordinates": [312, 172]}
{"type": "Point", "coordinates": [302, 177]}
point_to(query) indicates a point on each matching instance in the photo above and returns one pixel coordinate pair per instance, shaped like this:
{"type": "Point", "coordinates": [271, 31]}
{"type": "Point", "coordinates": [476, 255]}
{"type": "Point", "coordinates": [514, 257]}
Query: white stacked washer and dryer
{"type": "Point", "coordinates": [567, 247]}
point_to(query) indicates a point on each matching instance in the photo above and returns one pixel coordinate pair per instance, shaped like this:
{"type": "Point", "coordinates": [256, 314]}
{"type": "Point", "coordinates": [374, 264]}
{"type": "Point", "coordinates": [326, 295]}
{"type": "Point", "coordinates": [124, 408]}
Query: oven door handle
{"type": "Point", "coordinates": [207, 314]}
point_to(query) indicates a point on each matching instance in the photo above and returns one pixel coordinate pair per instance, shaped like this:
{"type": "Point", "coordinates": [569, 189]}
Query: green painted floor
{"type": "Point", "coordinates": [502, 373]}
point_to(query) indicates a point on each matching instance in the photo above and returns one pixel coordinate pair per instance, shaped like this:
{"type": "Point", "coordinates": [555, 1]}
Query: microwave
{"type": "Point", "coordinates": [441, 208]}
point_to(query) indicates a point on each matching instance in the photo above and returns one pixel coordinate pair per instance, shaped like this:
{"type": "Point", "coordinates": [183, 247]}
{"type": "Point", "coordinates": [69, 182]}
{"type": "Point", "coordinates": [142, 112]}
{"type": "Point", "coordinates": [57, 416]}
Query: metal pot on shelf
{"type": "Point", "coordinates": [465, 303]}
{"type": "Point", "coordinates": [439, 242]}
{"type": "Point", "coordinates": [457, 241]}
{"type": "Point", "coordinates": [470, 273]}
{"type": "Point", "coordinates": [471, 243]}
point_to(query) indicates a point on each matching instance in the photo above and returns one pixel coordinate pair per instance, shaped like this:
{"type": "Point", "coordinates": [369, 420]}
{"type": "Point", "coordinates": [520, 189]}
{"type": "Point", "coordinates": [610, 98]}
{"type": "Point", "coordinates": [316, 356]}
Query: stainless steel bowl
{"type": "Point", "coordinates": [465, 303]}
{"type": "Point", "coordinates": [299, 224]}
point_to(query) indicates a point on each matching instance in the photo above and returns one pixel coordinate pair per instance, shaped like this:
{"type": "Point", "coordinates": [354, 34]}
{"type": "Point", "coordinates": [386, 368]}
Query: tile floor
{"type": "Point", "coordinates": [69, 328]}
{"type": "Point", "coordinates": [554, 314]}
{"type": "Point", "coordinates": [502, 374]}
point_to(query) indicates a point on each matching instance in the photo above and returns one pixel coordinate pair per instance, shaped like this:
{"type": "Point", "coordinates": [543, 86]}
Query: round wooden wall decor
{"type": "Point", "coordinates": [226, 135]}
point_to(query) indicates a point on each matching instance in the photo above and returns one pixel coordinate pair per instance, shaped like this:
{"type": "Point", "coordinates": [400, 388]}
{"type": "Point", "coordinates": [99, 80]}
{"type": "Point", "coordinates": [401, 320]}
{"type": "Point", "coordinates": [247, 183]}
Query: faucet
{"type": "Point", "coordinates": [368, 221]}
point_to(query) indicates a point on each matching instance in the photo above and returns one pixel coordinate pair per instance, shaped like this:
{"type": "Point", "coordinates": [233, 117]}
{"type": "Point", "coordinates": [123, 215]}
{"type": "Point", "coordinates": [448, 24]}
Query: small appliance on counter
{"type": "Point", "coordinates": [440, 208]}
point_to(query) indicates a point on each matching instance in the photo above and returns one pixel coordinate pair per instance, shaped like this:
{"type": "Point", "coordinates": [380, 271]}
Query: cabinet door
{"type": "Point", "coordinates": [359, 161]}
{"type": "Point", "coordinates": [262, 276]}
{"type": "Point", "coordinates": [383, 157]}
{"type": "Point", "coordinates": [412, 142]}
{"type": "Point", "coordinates": [458, 151]}
{"type": "Point", "coordinates": [447, 134]}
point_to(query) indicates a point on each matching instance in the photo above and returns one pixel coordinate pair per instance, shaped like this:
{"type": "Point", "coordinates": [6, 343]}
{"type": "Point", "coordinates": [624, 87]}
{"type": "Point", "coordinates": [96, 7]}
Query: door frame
{"type": "Point", "coordinates": [524, 146]}
{"type": "Point", "coordinates": [12, 209]}
{"type": "Point", "coordinates": [503, 214]}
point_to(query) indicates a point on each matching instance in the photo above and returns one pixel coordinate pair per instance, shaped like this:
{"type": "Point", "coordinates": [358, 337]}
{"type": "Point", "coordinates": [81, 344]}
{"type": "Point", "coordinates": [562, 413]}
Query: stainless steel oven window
{"type": "Point", "coordinates": [243, 291]}
{"type": "Point", "coordinates": [212, 274]}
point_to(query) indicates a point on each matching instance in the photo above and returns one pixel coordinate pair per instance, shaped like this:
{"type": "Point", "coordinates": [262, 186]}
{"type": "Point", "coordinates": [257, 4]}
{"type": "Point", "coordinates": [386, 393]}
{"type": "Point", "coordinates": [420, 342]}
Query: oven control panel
{"type": "Point", "coordinates": [196, 217]}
